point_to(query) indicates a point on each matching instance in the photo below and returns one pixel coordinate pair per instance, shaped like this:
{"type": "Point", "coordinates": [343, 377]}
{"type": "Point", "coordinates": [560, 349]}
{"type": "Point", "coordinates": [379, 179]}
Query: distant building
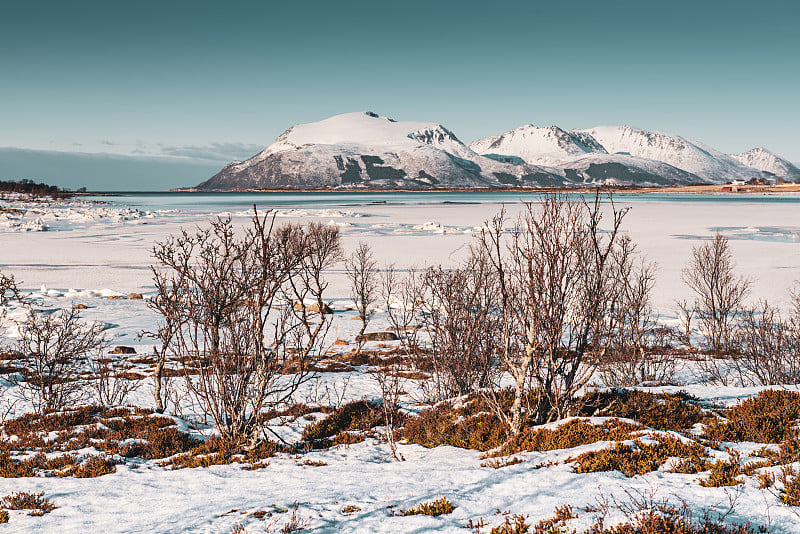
{"type": "Point", "coordinates": [738, 182]}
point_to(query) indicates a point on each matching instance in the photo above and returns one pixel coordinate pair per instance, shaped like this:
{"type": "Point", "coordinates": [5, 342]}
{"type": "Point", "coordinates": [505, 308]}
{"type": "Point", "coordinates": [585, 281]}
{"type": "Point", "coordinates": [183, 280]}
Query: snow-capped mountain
{"type": "Point", "coordinates": [763, 160]}
{"type": "Point", "coordinates": [366, 150]}
{"type": "Point", "coordinates": [549, 145]}
{"type": "Point", "coordinates": [690, 156]}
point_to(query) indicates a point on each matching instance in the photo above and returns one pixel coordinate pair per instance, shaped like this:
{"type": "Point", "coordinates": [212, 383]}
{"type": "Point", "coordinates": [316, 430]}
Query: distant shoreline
{"type": "Point", "coordinates": [720, 188]}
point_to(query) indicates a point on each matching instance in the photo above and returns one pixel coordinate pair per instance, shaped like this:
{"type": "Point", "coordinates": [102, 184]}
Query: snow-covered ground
{"type": "Point", "coordinates": [105, 251]}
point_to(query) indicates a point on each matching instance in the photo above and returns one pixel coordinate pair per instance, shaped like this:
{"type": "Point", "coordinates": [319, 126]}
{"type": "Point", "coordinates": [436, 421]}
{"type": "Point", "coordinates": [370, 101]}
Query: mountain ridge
{"type": "Point", "coordinates": [364, 150]}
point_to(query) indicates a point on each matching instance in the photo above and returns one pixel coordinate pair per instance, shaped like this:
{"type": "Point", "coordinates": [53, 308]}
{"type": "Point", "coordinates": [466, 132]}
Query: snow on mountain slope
{"type": "Point", "coordinates": [364, 149]}
{"type": "Point", "coordinates": [549, 145]}
{"type": "Point", "coordinates": [677, 151]}
{"type": "Point", "coordinates": [579, 156]}
{"type": "Point", "coordinates": [763, 160]}
{"type": "Point", "coordinates": [621, 169]}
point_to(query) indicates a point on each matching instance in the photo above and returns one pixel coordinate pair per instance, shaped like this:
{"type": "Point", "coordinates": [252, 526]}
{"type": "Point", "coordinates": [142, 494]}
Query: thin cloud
{"type": "Point", "coordinates": [213, 151]}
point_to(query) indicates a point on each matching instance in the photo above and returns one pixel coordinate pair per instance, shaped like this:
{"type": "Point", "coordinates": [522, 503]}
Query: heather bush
{"type": "Point", "coordinates": [356, 415]}
{"type": "Point", "coordinates": [663, 411]}
{"type": "Point", "coordinates": [568, 435]}
{"type": "Point", "coordinates": [23, 500]}
{"type": "Point", "coordinates": [127, 432]}
{"type": "Point", "coordinates": [723, 473]}
{"type": "Point", "coordinates": [445, 425]}
{"type": "Point", "coordinates": [769, 417]}
{"type": "Point", "coordinates": [641, 458]}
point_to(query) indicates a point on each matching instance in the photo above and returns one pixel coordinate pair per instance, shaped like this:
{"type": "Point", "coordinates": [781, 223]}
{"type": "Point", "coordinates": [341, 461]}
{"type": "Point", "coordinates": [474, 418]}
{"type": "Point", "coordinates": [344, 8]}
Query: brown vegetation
{"type": "Point", "coordinates": [769, 417]}
{"type": "Point", "coordinates": [432, 508]}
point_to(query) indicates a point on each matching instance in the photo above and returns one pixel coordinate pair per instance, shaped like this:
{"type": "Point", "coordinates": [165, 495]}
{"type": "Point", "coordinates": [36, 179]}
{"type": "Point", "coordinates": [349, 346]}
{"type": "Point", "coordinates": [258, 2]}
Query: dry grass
{"type": "Point", "coordinates": [431, 508]}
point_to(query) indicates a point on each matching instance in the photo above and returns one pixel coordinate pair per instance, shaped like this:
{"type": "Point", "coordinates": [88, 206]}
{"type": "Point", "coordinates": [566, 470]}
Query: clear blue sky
{"type": "Point", "coordinates": [212, 81]}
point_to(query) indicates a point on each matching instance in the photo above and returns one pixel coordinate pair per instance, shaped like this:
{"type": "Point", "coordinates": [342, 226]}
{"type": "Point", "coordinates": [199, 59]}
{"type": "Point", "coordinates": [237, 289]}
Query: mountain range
{"type": "Point", "coordinates": [364, 150]}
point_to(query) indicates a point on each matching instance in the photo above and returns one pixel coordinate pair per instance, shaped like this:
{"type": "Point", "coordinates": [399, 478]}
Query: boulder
{"type": "Point", "coordinates": [121, 349]}
{"type": "Point", "coordinates": [135, 296]}
{"type": "Point", "coordinates": [313, 308]}
{"type": "Point", "coordinates": [377, 336]}
{"type": "Point", "coordinates": [81, 306]}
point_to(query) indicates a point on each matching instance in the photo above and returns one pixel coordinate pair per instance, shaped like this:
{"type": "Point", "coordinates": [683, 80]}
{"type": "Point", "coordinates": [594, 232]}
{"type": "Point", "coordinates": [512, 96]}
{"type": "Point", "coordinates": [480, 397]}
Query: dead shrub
{"type": "Point", "coordinates": [223, 297]}
{"type": "Point", "coordinates": [499, 463]}
{"type": "Point", "coordinates": [54, 347]}
{"type": "Point", "coordinates": [556, 283]}
{"type": "Point", "coordinates": [768, 347]}
{"type": "Point", "coordinates": [719, 293]}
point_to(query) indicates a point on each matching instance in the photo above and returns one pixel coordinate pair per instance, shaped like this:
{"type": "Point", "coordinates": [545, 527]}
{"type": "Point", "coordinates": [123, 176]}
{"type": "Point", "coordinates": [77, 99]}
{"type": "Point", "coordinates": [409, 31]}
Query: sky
{"type": "Point", "coordinates": [196, 84]}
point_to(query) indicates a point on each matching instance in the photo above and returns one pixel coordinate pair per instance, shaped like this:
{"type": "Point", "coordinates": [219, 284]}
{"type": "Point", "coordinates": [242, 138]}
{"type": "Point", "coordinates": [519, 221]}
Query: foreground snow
{"type": "Point", "coordinates": [88, 264]}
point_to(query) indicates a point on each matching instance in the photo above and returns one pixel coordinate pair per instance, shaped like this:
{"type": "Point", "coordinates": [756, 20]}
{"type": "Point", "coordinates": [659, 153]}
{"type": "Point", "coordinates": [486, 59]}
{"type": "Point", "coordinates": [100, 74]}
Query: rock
{"type": "Point", "coordinates": [313, 308]}
{"type": "Point", "coordinates": [377, 336]}
{"type": "Point", "coordinates": [81, 306]}
{"type": "Point", "coordinates": [135, 296]}
{"type": "Point", "coordinates": [341, 343]}
{"type": "Point", "coordinates": [121, 349]}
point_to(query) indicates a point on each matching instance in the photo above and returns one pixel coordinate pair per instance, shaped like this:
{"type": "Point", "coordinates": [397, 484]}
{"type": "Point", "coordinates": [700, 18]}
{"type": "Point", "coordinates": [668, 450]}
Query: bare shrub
{"type": "Point", "coordinates": [54, 347]}
{"type": "Point", "coordinates": [459, 316]}
{"type": "Point", "coordinates": [361, 270]}
{"type": "Point", "coordinates": [555, 290]}
{"type": "Point", "coordinates": [390, 386]}
{"type": "Point", "coordinates": [685, 317]}
{"type": "Point", "coordinates": [638, 346]}
{"type": "Point", "coordinates": [404, 298]}
{"type": "Point", "coordinates": [108, 388]}
{"type": "Point", "coordinates": [8, 292]}
{"type": "Point", "coordinates": [242, 316]}
{"type": "Point", "coordinates": [719, 292]}
{"type": "Point", "coordinates": [167, 304]}
{"type": "Point", "coordinates": [767, 347]}
{"type": "Point", "coordinates": [8, 289]}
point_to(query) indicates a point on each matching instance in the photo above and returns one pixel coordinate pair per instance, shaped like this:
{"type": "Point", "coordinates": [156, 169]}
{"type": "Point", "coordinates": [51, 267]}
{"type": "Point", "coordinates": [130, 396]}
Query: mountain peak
{"type": "Point", "coordinates": [761, 159]}
{"type": "Point", "coordinates": [539, 145]}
